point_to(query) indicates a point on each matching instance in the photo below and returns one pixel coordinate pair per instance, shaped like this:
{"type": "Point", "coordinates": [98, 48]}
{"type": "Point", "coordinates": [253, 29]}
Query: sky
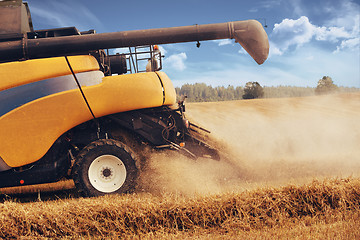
{"type": "Point", "coordinates": [308, 39]}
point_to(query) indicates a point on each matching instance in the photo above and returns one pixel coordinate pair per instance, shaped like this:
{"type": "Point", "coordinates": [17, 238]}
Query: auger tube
{"type": "Point", "coordinates": [250, 34]}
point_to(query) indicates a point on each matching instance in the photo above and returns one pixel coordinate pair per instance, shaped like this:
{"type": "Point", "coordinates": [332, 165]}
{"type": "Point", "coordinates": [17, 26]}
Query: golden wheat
{"type": "Point", "coordinates": [119, 216]}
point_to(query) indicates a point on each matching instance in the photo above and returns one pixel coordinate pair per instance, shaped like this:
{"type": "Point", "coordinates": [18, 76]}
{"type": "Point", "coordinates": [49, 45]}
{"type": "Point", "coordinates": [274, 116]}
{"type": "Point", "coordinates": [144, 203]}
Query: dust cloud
{"type": "Point", "coordinates": [265, 142]}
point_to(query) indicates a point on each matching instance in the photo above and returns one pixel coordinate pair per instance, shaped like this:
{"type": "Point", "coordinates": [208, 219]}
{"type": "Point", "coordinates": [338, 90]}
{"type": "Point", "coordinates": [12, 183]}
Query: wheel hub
{"type": "Point", "coordinates": [107, 173]}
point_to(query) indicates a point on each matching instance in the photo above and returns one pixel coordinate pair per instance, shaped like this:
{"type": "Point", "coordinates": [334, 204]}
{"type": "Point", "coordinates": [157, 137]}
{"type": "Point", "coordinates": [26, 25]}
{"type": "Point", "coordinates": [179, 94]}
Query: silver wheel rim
{"type": "Point", "coordinates": [107, 173]}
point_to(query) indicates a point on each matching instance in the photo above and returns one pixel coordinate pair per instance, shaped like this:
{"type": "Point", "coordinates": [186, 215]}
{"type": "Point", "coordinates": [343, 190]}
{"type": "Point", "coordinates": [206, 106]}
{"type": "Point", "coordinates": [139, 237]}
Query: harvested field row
{"type": "Point", "coordinates": [330, 201]}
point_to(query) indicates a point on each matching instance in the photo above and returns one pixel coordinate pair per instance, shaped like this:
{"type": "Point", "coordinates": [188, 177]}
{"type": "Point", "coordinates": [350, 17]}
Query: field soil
{"type": "Point", "coordinates": [290, 169]}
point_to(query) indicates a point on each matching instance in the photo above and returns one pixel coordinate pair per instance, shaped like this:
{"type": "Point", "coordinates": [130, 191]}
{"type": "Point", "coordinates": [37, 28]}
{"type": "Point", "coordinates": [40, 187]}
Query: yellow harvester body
{"type": "Point", "coordinates": [40, 101]}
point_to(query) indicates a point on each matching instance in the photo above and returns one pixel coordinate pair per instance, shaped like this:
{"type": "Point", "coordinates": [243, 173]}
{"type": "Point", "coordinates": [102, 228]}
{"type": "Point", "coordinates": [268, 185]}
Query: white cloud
{"type": "Point", "coordinates": [243, 51]}
{"type": "Point", "coordinates": [310, 58]}
{"type": "Point", "coordinates": [162, 50]}
{"type": "Point", "coordinates": [356, 28]}
{"type": "Point", "coordinates": [241, 74]}
{"type": "Point", "coordinates": [292, 32]}
{"type": "Point", "coordinates": [295, 33]}
{"type": "Point", "coordinates": [264, 5]}
{"type": "Point", "coordinates": [331, 34]}
{"type": "Point", "coordinates": [344, 14]}
{"type": "Point", "coordinates": [303, 69]}
{"type": "Point", "coordinates": [253, 10]}
{"type": "Point", "coordinates": [176, 61]}
{"type": "Point", "coordinates": [51, 18]}
{"type": "Point", "coordinates": [297, 8]}
{"type": "Point", "coordinates": [274, 50]}
{"type": "Point", "coordinates": [119, 50]}
{"type": "Point", "coordinates": [65, 14]}
{"type": "Point", "coordinates": [268, 4]}
{"type": "Point", "coordinates": [353, 43]}
{"type": "Point", "coordinates": [126, 50]}
{"type": "Point", "coordinates": [223, 42]}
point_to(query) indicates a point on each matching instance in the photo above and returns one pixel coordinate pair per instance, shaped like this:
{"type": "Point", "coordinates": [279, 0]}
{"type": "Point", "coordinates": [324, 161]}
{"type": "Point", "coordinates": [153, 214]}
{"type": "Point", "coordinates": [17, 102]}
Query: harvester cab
{"type": "Point", "coordinates": [69, 109]}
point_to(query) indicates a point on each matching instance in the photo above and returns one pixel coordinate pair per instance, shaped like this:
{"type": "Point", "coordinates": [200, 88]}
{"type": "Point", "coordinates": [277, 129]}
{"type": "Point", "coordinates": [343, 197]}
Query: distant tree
{"type": "Point", "coordinates": [200, 92]}
{"type": "Point", "coordinates": [253, 90]}
{"type": "Point", "coordinates": [325, 86]}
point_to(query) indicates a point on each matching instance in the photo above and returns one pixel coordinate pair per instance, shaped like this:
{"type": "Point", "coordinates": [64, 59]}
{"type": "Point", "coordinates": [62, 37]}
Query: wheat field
{"type": "Point", "coordinates": [320, 209]}
{"type": "Point", "coordinates": [290, 169]}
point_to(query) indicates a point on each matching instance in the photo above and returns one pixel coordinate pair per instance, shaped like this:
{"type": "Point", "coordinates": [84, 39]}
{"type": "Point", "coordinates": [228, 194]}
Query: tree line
{"type": "Point", "coordinates": [200, 92]}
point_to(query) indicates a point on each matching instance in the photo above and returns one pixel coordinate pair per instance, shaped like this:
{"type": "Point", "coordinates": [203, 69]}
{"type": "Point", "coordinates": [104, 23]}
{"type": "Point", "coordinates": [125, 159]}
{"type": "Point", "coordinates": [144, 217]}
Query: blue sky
{"type": "Point", "coordinates": [308, 39]}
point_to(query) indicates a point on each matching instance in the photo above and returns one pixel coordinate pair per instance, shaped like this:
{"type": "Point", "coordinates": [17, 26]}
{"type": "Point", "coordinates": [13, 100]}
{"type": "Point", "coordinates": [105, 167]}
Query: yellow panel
{"type": "Point", "coordinates": [29, 131]}
{"type": "Point", "coordinates": [170, 94]}
{"type": "Point", "coordinates": [18, 73]}
{"type": "Point", "coordinates": [124, 93]}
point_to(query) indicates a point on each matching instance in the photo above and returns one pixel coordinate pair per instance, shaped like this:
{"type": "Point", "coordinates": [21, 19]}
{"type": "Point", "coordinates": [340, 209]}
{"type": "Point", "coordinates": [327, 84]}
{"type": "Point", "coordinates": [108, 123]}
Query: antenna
{"type": "Point", "coordinates": [263, 19]}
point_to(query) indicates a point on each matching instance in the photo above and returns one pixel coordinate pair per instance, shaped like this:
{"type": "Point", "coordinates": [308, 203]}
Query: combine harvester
{"type": "Point", "coordinates": [68, 108]}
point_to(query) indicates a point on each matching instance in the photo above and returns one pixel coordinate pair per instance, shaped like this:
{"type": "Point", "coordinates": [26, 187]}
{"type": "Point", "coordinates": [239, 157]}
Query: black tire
{"type": "Point", "coordinates": [105, 166]}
